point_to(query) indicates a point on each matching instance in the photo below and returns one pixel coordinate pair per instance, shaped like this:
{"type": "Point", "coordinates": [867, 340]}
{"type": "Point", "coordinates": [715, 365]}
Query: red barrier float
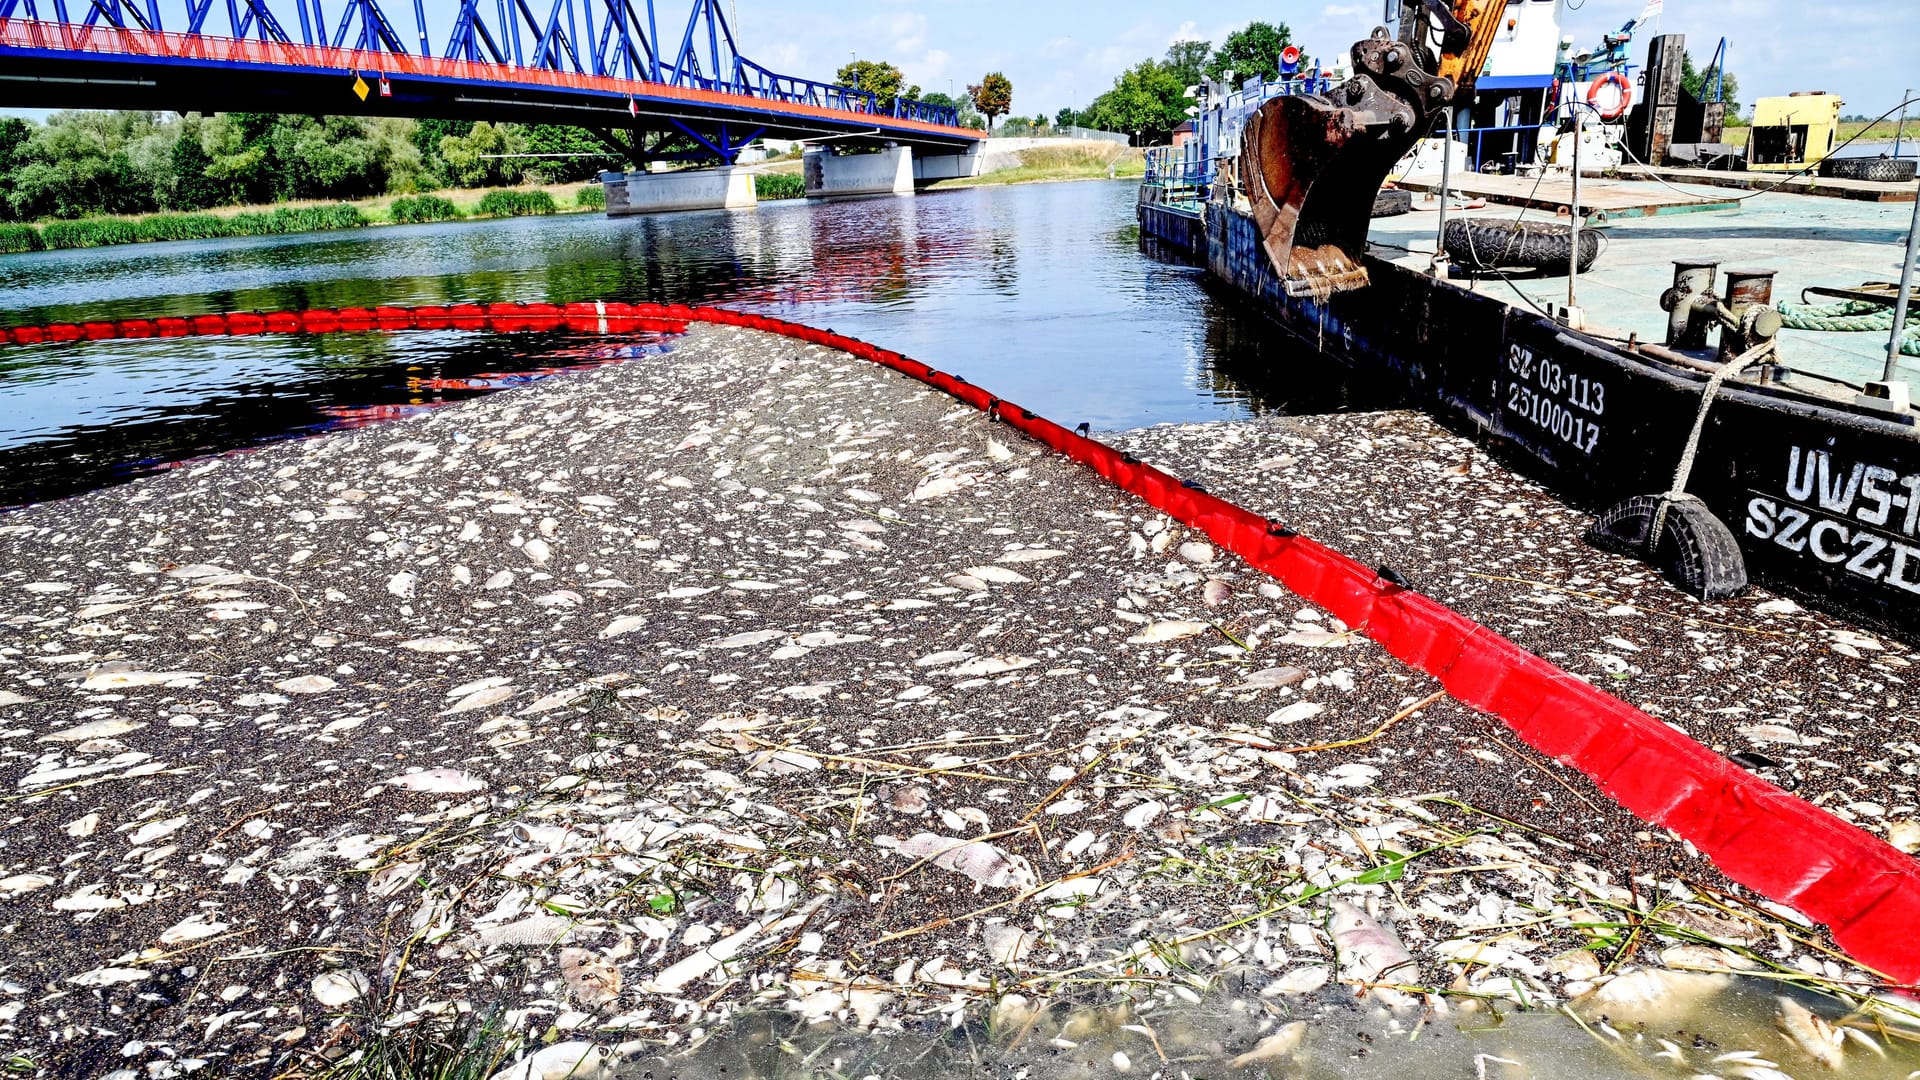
{"type": "Point", "coordinates": [1783, 847]}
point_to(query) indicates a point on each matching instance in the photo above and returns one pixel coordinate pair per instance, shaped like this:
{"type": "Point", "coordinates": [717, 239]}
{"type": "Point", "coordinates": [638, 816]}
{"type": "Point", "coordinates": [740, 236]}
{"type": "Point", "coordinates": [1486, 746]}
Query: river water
{"type": "Point", "coordinates": [1039, 292]}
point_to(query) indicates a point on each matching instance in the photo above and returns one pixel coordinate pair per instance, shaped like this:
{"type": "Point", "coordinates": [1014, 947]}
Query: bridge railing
{"type": "Point", "coordinates": [47, 36]}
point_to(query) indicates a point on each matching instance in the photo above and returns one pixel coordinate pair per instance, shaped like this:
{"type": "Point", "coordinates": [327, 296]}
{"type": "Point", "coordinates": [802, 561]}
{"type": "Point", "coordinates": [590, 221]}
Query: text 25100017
{"type": "Point", "coordinates": [1562, 403]}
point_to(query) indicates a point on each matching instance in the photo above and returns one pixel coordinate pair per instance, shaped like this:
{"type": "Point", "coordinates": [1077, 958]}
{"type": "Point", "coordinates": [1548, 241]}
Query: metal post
{"type": "Point", "coordinates": [1446, 169]}
{"type": "Point", "coordinates": [1906, 294]}
{"type": "Point", "coordinates": [1573, 222]}
{"type": "Point", "coordinates": [1900, 128]}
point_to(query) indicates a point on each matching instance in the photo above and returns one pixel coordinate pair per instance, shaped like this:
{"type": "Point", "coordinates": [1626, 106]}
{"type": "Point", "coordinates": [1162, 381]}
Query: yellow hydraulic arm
{"type": "Point", "coordinates": [1310, 165]}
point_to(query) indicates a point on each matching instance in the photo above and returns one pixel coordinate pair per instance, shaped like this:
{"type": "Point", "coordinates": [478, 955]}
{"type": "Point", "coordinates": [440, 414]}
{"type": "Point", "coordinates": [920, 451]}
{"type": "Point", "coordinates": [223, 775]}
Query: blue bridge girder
{"type": "Point", "coordinates": [599, 64]}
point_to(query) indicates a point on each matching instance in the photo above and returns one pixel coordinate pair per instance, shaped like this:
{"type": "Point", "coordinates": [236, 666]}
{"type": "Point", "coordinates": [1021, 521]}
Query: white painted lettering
{"type": "Point", "coordinates": [1896, 574]}
{"type": "Point", "coordinates": [1792, 521]}
{"type": "Point", "coordinates": [1867, 546]}
{"type": "Point", "coordinates": [1821, 528]}
{"type": "Point", "coordinates": [1872, 492]}
{"type": "Point", "coordinates": [1800, 480]}
{"type": "Point", "coordinates": [1833, 495]}
{"type": "Point", "coordinates": [1760, 518]}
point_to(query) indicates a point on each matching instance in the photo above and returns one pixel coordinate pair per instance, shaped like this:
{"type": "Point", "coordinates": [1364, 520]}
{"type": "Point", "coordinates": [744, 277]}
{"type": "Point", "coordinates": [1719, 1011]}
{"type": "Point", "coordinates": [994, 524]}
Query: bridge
{"type": "Point", "coordinates": [602, 65]}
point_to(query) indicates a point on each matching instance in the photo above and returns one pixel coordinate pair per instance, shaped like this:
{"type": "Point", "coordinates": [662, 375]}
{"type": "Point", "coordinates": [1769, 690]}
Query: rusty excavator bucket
{"type": "Point", "coordinates": [1310, 165]}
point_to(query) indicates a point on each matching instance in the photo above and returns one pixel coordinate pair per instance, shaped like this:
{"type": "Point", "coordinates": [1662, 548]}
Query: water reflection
{"type": "Point", "coordinates": [1042, 292]}
{"type": "Point", "coordinates": [1733, 1033]}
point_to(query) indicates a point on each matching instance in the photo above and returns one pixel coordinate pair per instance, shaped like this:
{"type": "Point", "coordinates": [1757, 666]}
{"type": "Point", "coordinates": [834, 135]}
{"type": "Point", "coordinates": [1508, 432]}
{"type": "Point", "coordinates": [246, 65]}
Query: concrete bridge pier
{"type": "Point", "coordinates": [830, 175]}
{"type": "Point", "coordinates": [724, 188]}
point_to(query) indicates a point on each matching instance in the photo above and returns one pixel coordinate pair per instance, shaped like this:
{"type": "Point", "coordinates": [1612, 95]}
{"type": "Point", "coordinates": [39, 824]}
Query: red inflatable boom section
{"type": "Point", "coordinates": [1781, 846]}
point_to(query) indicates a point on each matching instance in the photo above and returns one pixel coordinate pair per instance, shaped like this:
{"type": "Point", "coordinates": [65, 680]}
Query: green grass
{"type": "Point", "coordinates": [780, 185]}
{"type": "Point", "coordinates": [592, 197]}
{"type": "Point", "coordinates": [181, 227]}
{"type": "Point", "coordinates": [1088, 161]}
{"type": "Point", "coordinates": [17, 238]}
{"type": "Point", "coordinates": [508, 202]}
{"type": "Point", "coordinates": [468, 1049]}
{"type": "Point", "coordinates": [88, 232]}
{"type": "Point", "coordinates": [417, 209]}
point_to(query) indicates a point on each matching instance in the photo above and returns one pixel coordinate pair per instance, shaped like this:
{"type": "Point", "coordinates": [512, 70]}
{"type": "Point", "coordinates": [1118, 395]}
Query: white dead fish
{"type": "Point", "coordinates": [625, 624]}
{"type": "Point", "coordinates": [1273, 678]}
{"type": "Point", "coordinates": [1275, 1046]}
{"type": "Point", "coordinates": [1369, 952]}
{"type": "Point", "coordinates": [403, 583]}
{"type": "Point", "coordinates": [1168, 630]}
{"type": "Point", "coordinates": [1216, 592]}
{"type": "Point", "coordinates": [1811, 1033]}
{"type": "Point", "coordinates": [336, 988]}
{"type": "Point", "coordinates": [442, 781]}
{"type": "Point", "coordinates": [997, 575]}
{"type": "Point", "coordinates": [440, 645]}
{"type": "Point", "coordinates": [306, 684]}
{"type": "Point", "coordinates": [1649, 993]}
{"type": "Point", "coordinates": [1026, 555]}
{"type": "Point", "coordinates": [98, 729]}
{"type": "Point", "coordinates": [561, 1061]}
{"type": "Point", "coordinates": [985, 864]}
{"type": "Point", "coordinates": [480, 699]}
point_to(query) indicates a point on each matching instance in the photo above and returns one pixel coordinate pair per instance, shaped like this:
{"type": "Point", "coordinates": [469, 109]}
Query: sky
{"type": "Point", "coordinates": [1064, 53]}
{"type": "Point", "coordinates": [1061, 54]}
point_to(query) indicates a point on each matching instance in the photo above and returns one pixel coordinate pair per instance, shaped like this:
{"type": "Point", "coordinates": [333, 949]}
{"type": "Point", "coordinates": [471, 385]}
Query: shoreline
{"type": "Point", "coordinates": [646, 695]}
{"type": "Point", "coordinates": [466, 198]}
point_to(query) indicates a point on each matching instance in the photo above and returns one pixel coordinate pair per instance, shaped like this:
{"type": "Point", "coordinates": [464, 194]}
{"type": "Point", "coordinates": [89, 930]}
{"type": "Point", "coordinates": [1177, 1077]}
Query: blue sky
{"type": "Point", "coordinates": [1061, 54]}
{"type": "Point", "coordinates": [1064, 53]}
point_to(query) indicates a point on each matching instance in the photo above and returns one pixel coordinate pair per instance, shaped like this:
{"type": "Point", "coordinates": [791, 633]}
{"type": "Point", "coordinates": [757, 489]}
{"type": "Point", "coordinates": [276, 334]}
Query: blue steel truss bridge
{"type": "Point", "coordinates": [603, 65]}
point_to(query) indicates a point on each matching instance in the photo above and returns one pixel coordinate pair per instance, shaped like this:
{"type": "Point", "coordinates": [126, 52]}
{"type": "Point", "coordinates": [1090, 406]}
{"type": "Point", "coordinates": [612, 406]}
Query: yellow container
{"type": "Point", "coordinates": [1790, 133]}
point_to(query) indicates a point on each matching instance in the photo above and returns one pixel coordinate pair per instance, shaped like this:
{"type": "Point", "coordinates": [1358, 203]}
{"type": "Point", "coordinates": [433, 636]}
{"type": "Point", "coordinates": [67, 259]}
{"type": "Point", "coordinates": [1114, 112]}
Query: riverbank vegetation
{"type": "Point", "coordinates": [81, 164]}
{"type": "Point", "coordinates": [1081, 161]}
{"type": "Point", "coordinates": [1149, 99]}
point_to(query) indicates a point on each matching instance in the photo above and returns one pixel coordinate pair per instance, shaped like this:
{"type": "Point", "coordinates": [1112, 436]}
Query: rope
{"type": "Point", "coordinates": [1684, 471]}
{"type": "Point", "coordinates": [1848, 316]}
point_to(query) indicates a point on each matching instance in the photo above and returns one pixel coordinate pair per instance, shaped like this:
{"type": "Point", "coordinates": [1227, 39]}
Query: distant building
{"type": "Point", "coordinates": [1183, 134]}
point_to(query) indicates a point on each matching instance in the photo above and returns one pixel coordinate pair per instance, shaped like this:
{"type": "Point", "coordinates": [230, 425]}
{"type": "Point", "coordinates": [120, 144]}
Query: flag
{"type": "Point", "coordinates": [1651, 11]}
{"type": "Point", "coordinates": [360, 88]}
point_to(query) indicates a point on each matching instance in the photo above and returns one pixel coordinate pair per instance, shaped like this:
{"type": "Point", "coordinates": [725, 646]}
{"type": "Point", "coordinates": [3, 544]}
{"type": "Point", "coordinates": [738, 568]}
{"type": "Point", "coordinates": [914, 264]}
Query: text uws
{"type": "Point", "coordinates": [1856, 517]}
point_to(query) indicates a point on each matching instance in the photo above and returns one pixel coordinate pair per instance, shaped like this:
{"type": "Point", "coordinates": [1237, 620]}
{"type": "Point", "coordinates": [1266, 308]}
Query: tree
{"type": "Point", "coordinates": [879, 78]}
{"type": "Point", "coordinates": [1066, 118]}
{"type": "Point", "coordinates": [1700, 84]}
{"type": "Point", "coordinates": [477, 159]}
{"type": "Point", "coordinates": [1188, 61]}
{"type": "Point", "coordinates": [1254, 49]}
{"type": "Point", "coordinates": [993, 96]}
{"type": "Point", "coordinates": [590, 156]}
{"type": "Point", "coordinates": [1148, 100]}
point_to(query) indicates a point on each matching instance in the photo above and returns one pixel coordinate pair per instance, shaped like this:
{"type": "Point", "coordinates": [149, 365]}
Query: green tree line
{"type": "Point", "coordinates": [1148, 100]}
{"type": "Point", "coordinates": [80, 163]}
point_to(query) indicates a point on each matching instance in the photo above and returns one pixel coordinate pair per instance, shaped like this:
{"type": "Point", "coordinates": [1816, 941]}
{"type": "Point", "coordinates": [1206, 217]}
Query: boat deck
{"type": "Point", "coordinates": [1828, 242]}
{"type": "Point", "coordinates": [1867, 190]}
{"type": "Point", "coordinates": [1606, 199]}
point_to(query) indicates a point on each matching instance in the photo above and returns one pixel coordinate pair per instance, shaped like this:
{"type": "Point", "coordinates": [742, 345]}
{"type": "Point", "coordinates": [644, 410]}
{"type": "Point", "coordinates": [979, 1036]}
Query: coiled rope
{"type": "Point", "coordinates": [1848, 316]}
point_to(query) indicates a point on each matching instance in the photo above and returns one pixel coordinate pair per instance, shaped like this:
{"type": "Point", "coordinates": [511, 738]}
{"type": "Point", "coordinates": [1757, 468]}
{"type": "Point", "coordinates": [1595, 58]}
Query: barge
{"type": "Point", "coordinates": [1719, 465]}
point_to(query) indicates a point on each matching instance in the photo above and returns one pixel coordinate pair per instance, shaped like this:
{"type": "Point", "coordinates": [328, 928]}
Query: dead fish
{"type": "Point", "coordinates": [1168, 630]}
{"type": "Point", "coordinates": [1809, 1032]}
{"type": "Point", "coordinates": [1369, 952]}
{"type": "Point", "coordinates": [1275, 1046]}
{"type": "Point", "coordinates": [592, 979]}
{"type": "Point", "coordinates": [1216, 592]}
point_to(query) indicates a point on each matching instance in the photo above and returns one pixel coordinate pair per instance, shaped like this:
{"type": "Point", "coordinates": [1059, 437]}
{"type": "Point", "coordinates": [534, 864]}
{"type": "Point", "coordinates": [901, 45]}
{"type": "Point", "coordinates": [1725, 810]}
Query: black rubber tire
{"type": "Point", "coordinates": [1884, 170]}
{"type": "Point", "coordinates": [1696, 550]}
{"type": "Point", "coordinates": [1392, 202]}
{"type": "Point", "coordinates": [1502, 243]}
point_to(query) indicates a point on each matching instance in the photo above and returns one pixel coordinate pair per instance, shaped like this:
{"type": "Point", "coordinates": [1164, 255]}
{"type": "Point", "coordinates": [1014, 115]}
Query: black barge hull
{"type": "Point", "coordinates": [1824, 501]}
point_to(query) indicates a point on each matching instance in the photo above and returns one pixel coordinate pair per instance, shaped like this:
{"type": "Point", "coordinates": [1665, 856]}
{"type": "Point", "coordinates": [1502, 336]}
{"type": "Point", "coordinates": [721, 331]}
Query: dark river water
{"type": "Point", "coordinates": [1041, 293]}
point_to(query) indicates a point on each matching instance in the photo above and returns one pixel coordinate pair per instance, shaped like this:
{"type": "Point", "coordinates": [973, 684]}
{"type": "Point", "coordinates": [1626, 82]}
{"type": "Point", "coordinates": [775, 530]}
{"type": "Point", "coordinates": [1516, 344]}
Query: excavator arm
{"type": "Point", "coordinates": [1310, 165]}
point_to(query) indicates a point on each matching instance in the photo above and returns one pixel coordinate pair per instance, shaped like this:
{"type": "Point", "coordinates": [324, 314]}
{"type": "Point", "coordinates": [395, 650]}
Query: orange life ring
{"type": "Point", "coordinates": [1624, 96]}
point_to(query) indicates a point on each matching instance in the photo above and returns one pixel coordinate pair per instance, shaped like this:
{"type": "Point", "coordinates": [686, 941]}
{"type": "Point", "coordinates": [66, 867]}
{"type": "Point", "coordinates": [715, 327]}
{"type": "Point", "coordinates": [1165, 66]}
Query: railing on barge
{"type": "Point", "coordinates": [1185, 172]}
